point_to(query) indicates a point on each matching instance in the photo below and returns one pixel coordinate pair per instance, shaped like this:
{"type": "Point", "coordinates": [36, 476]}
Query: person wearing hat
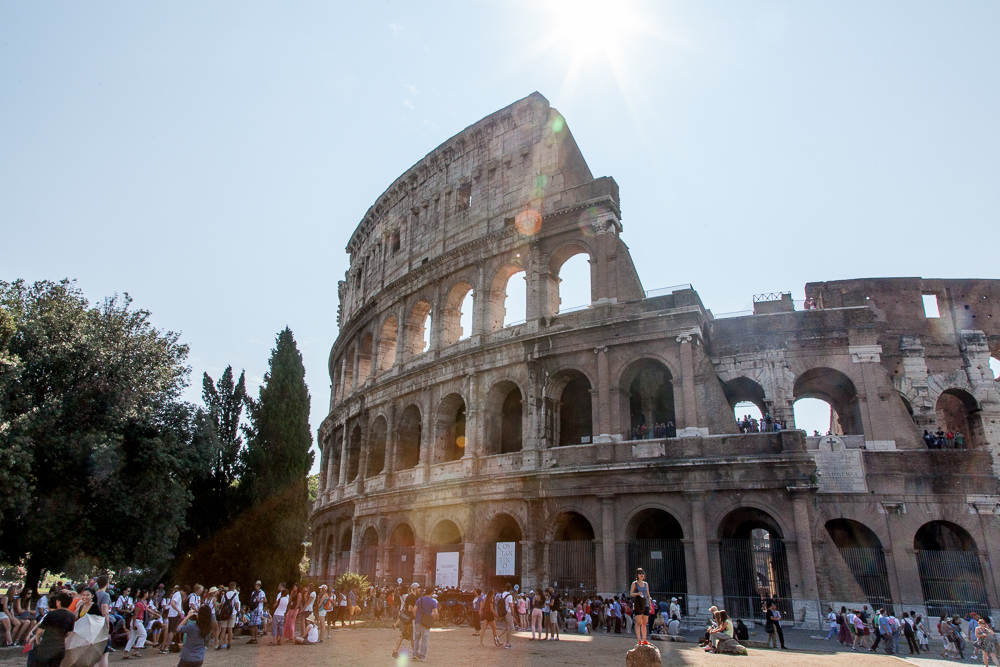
{"type": "Point", "coordinates": [674, 609]}
{"type": "Point", "coordinates": [406, 616]}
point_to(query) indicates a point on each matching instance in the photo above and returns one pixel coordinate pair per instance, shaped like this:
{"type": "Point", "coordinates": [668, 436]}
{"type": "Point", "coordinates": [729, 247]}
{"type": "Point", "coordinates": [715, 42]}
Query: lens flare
{"type": "Point", "coordinates": [460, 442]}
{"type": "Point", "coordinates": [528, 222]}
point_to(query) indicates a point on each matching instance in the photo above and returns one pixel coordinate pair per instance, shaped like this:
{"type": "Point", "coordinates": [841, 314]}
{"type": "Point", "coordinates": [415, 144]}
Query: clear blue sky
{"type": "Point", "coordinates": [212, 159]}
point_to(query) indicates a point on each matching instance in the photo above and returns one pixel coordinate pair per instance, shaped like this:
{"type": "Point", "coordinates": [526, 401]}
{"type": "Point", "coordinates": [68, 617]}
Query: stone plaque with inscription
{"type": "Point", "coordinates": [840, 470]}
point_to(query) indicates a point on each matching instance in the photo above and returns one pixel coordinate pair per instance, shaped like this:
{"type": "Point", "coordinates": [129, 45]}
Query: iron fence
{"type": "Point", "coordinates": [754, 572]}
{"type": "Point", "coordinates": [952, 583]}
{"type": "Point", "coordinates": [663, 562]}
{"type": "Point", "coordinates": [572, 566]}
{"type": "Point", "coordinates": [368, 562]}
{"type": "Point", "coordinates": [867, 564]}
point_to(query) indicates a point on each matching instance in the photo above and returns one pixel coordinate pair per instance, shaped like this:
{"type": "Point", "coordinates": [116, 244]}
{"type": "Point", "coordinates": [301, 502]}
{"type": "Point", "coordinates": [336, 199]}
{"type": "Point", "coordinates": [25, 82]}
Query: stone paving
{"type": "Point", "coordinates": [364, 647]}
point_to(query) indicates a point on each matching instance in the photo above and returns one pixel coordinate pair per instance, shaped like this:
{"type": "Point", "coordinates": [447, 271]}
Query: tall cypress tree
{"type": "Point", "coordinates": [276, 466]}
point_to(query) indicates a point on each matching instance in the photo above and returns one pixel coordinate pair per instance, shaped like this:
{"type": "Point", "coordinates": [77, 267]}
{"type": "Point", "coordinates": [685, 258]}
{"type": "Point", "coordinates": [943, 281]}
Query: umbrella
{"type": "Point", "coordinates": [85, 645]}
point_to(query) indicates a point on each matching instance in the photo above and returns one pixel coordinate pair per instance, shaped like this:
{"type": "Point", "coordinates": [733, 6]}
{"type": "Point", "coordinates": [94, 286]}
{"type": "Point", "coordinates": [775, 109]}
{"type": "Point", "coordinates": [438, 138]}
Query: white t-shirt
{"type": "Point", "coordinates": [832, 617]}
{"type": "Point", "coordinates": [674, 627]}
{"type": "Point", "coordinates": [175, 605]}
{"type": "Point", "coordinates": [194, 601]}
{"type": "Point", "coordinates": [232, 595]}
{"type": "Point", "coordinates": [312, 636]}
{"type": "Point", "coordinates": [312, 599]}
{"type": "Point", "coordinates": [508, 601]}
{"type": "Point", "coordinates": [282, 605]}
{"type": "Point", "coordinates": [261, 599]}
{"type": "Point", "coordinates": [123, 602]}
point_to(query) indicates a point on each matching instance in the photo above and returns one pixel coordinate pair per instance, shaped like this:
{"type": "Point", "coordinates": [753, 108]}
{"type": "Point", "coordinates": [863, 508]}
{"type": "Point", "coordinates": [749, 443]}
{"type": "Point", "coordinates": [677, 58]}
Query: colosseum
{"type": "Point", "coordinates": [570, 446]}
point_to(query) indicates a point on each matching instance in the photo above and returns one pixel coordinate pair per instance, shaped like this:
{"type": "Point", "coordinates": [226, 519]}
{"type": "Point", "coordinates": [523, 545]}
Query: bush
{"type": "Point", "coordinates": [350, 580]}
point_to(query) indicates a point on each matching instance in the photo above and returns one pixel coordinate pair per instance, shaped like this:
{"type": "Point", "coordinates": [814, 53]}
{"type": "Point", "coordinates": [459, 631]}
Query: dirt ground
{"type": "Point", "coordinates": [361, 647]}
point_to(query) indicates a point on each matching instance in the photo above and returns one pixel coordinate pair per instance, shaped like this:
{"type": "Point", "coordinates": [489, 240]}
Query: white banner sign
{"type": "Point", "coordinates": [446, 573]}
{"type": "Point", "coordinates": [505, 559]}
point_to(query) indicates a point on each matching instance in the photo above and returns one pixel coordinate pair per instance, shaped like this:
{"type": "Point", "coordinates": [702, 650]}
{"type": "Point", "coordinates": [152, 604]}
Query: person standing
{"type": "Point", "coordinates": [987, 642]}
{"type": "Point", "coordinates": [536, 613]}
{"type": "Point", "coordinates": [406, 611]}
{"type": "Point", "coordinates": [50, 635]}
{"type": "Point", "coordinates": [174, 615]}
{"type": "Point", "coordinates": [554, 608]}
{"type": "Point", "coordinates": [193, 652]}
{"type": "Point", "coordinates": [426, 614]}
{"type": "Point", "coordinates": [773, 617]}
{"type": "Point", "coordinates": [642, 602]}
{"type": "Point", "coordinates": [226, 613]}
{"type": "Point", "coordinates": [103, 601]}
{"type": "Point", "coordinates": [477, 604]}
{"type": "Point", "coordinates": [321, 610]}
{"type": "Point", "coordinates": [510, 611]}
{"type": "Point", "coordinates": [488, 611]}
{"type": "Point", "coordinates": [257, 600]}
{"type": "Point", "coordinates": [278, 615]}
{"type": "Point", "coordinates": [137, 629]}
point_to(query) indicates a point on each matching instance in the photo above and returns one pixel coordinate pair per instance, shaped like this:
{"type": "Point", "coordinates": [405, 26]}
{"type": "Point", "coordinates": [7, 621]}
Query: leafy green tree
{"type": "Point", "coordinates": [91, 407]}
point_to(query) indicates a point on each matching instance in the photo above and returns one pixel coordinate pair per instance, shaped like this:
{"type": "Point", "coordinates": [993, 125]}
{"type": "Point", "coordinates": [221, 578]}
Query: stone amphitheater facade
{"type": "Point", "coordinates": [439, 447]}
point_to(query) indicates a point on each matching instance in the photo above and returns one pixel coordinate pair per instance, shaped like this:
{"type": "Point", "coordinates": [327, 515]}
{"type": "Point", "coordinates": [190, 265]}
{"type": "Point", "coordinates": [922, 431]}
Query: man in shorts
{"type": "Point", "coordinates": [257, 600]}
{"type": "Point", "coordinates": [406, 615]}
{"type": "Point", "coordinates": [554, 614]}
{"type": "Point", "coordinates": [174, 615]}
{"type": "Point", "coordinates": [509, 610]}
{"type": "Point", "coordinates": [230, 603]}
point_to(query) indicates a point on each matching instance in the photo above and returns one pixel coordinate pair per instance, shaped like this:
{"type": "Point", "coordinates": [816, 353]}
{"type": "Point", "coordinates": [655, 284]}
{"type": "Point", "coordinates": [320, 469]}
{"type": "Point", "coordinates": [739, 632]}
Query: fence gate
{"type": "Point", "coordinates": [400, 564]}
{"type": "Point", "coordinates": [572, 566]}
{"type": "Point", "coordinates": [867, 564]}
{"type": "Point", "coordinates": [952, 583]}
{"type": "Point", "coordinates": [367, 562]}
{"type": "Point", "coordinates": [663, 562]}
{"type": "Point", "coordinates": [754, 571]}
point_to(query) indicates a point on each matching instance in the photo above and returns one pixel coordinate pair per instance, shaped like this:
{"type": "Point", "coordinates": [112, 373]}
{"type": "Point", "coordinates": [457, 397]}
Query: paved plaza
{"type": "Point", "coordinates": [455, 646]}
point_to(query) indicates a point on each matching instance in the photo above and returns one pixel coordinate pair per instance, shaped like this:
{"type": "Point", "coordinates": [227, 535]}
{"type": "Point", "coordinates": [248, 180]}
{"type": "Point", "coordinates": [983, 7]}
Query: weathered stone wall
{"type": "Point", "coordinates": [525, 432]}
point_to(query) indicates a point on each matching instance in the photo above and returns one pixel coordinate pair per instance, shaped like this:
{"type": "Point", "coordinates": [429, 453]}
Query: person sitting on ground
{"type": "Point", "coordinates": [742, 633]}
{"type": "Point", "coordinates": [310, 634]}
{"type": "Point", "coordinates": [674, 626]}
{"type": "Point", "coordinates": [712, 624]}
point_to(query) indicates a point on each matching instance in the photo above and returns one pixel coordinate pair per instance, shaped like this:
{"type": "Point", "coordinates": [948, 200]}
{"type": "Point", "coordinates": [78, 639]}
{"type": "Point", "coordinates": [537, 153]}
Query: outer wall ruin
{"type": "Point", "coordinates": [450, 441]}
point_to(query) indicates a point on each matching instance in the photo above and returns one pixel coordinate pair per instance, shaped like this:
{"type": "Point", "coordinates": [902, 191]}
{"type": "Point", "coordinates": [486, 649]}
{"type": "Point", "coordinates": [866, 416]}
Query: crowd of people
{"type": "Point", "coordinates": [657, 430]}
{"type": "Point", "coordinates": [941, 439]}
{"type": "Point", "coordinates": [766, 424]}
{"type": "Point", "coordinates": [859, 629]}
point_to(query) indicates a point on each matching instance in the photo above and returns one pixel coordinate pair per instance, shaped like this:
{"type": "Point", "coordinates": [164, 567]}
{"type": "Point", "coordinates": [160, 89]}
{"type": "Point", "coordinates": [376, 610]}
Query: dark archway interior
{"type": "Point", "coordinates": [656, 524]}
{"type": "Point", "coordinates": [847, 534]}
{"type": "Point", "coordinates": [742, 389]}
{"type": "Point", "coordinates": [510, 422]}
{"type": "Point", "coordinates": [573, 527]}
{"type": "Point", "coordinates": [832, 386]}
{"type": "Point", "coordinates": [402, 536]}
{"type": "Point", "coordinates": [354, 454]}
{"type": "Point", "coordinates": [943, 536]}
{"type": "Point", "coordinates": [651, 396]}
{"type": "Point", "coordinates": [575, 411]}
{"type": "Point", "coordinates": [503, 528]}
{"type": "Point", "coordinates": [444, 533]}
{"type": "Point", "coordinates": [376, 447]}
{"type": "Point", "coordinates": [408, 442]}
{"type": "Point", "coordinates": [369, 538]}
{"type": "Point", "coordinates": [740, 524]}
{"type": "Point", "coordinates": [345, 540]}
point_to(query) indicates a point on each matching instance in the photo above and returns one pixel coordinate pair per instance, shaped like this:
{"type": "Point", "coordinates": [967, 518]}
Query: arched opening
{"type": "Point", "coordinates": [656, 545]}
{"type": "Point", "coordinates": [995, 367]}
{"type": "Point", "coordinates": [387, 343]}
{"type": "Point", "coordinates": [508, 297]}
{"type": "Point", "coordinates": [344, 553]}
{"type": "Point", "coordinates": [861, 550]}
{"type": "Point", "coordinates": [951, 573]}
{"type": "Point", "coordinates": [376, 447]}
{"type": "Point", "coordinates": [754, 564]}
{"type": "Point", "coordinates": [504, 418]}
{"type": "Point", "coordinates": [576, 425]}
{"type": "Point", "coordinates": [449, 428]}
{"type": "Point", "coordinates": [503, 552]}
{"type": "Point", "coordinates": [418, 328]}
{"type": "Point", "coordinates": [329, 564]}
{"type": "Point", "coordinates": [333, 470]}
{"type": "Point", "coordinates": [569, 276]}
{"type": "Point", "coordinates": [648, 387]}
{"type": "Point", "coordinates": [746, 398]}
{"type": "Point", "coordinates": [458, 313]}
{"type": "Point", "coordinates": [353, 453]}
{"type": "Point", "coordinates": [446, 545]}
{"type": "Point", "coordinates": [401, 553]}
{"type": "Point", "coordinates": [368, 554]}
{"type": "Point", "coordinates": [408, 438]}
{"type": "Point", "coordinates": [364, 358]}
{"type": "Point", "coordinates": [572, 560]}
{"type": "Point", "coordinates": [960, 419]}
{"type": "Point", "coordinates": [349, 372]}
{"type": "Point", "coordinates": [835, 389]}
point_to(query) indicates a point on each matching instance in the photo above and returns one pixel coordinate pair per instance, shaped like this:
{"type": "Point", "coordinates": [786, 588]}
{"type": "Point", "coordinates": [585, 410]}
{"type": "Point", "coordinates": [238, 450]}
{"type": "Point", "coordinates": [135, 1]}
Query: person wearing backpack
{"type": "Point", "coordinates": [509, 610]}
{"type": "Point", "coordinates": [228, 610]}
{"type": "Point", "coordinates": [426, 614]}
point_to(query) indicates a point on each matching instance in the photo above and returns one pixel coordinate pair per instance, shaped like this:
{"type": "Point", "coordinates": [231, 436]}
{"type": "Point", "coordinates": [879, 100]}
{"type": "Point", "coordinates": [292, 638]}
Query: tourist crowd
{"type": "Point", "coordinates": [944, 440]}
{"type": "Point", "coordinates": [766, 424]}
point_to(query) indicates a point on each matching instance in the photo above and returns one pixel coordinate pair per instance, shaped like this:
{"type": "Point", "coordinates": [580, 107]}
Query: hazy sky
{"type": "Point", "coordinates": [212, 159]}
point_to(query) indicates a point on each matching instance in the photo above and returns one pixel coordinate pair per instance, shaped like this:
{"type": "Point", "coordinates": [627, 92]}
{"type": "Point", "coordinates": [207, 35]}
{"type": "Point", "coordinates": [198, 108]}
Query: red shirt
{"type": "Point", "coordinates": [140, 611]}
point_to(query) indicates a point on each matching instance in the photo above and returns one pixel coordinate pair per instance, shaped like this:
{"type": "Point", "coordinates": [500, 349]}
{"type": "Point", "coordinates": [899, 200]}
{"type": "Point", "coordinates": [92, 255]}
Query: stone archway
{"type": "Point", "coordinates": [958, 412]}
{"type": "Point", "coordinates": [951, 572]}
{"type": "Point", "coordinates": [572, 555]}
{"type": "Point", "coordinates": [862, 551]}
{"type": "Point", "coordinates": [754, 563]}
{"type": "Point", "coordinates": [656, 544]}
{"type": "Point", "coordinates": [503, 529]}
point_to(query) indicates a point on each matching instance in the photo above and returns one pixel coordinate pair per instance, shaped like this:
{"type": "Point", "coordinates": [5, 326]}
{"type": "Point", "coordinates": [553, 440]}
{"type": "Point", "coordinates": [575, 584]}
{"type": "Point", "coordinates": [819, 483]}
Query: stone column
{"type": "Point", "coordinates": [610, 581]}
{"type": "Point", "coordinates": [356, 372]}
{"type": "Point", "coordinates": [426, 437]}
{"type": "Point", "coordinates": [807, 562]}
{"type": "Point", "coordinates": [480, 305]}
{"type": "Point", "coordinates": [690, 409]}
{"type": "Point", "coordinates": [437, 320]}
{"type": "Point", "coordinates": [343, 391]}
{"type": "Point", "coordinates": [599, 290]}
{"type": "Point", "coordinates": [324, 462]}
{"type": "Point", "coordinates": [700, 567]}
{"type": "Point", "coordinates": [343, 456]}
{"type": "Point", "coordinates": [355, 543]}
{"type": "Point", "coordinates": [602, 419]}
{"type": "Point", "coordinates": [332, 473]}
{"type": "Point", "coordinates": [363, 454]}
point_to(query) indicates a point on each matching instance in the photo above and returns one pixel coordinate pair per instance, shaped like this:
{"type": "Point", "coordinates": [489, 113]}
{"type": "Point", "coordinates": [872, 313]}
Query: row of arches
{"type": "Point", "coordinates": [753, 560]}
{"type": "Point", "coordinates": [506, 305]}
{"type": "Point", "coordinates": [956, 410]}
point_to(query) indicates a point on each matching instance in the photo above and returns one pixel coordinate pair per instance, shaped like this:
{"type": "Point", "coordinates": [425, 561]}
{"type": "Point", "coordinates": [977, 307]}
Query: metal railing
{"type": "Point", "coordinates": [573, 565]}
{"type": "Point", "coordinates": [755, 571]}
{"type": "Point", "coordinates": [663, 562]}
{"type": "Point", "coordinates": [867, 564]}
{"type": "Point", "coordinates": [663, 291]}
{"type": "Point", "coordinates": [952, 583]}
{"type": "Point", "coordinates": [769, 296]}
